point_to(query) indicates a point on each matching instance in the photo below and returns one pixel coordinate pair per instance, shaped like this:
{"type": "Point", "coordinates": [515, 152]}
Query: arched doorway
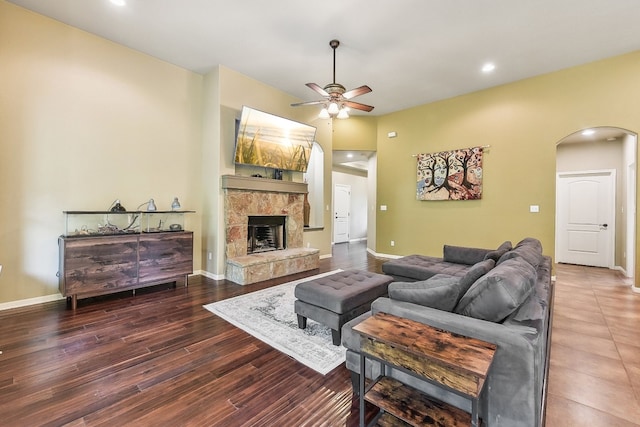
{"type": "Point", "coordinates": [589, 163]}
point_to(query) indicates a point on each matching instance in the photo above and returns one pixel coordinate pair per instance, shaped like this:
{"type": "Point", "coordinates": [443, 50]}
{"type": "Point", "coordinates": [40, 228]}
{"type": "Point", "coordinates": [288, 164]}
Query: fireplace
{"type": "Point", "coordinates": [266, 233]}
{"type": "Point", "coordinates": [276, 238]}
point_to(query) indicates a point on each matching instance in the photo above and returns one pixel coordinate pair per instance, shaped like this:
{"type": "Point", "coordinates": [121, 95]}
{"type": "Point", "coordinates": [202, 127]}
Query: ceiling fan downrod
{"type": "Point", "coordinates": [334, 45]}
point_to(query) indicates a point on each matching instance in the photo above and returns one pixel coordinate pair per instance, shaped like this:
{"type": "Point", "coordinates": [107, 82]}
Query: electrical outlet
{"type": "Point", "coordinates": [210, 256]}
{"type": "Point", "coordinates": [393, 243]}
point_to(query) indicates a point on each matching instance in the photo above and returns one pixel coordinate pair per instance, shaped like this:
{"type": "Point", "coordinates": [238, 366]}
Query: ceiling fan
{"type": "Point", "coordinates": [337, 98]}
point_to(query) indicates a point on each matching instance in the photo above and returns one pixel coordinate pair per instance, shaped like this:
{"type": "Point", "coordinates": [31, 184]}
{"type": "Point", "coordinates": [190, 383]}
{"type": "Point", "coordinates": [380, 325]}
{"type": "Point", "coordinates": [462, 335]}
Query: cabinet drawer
{"type": "Point", "coordinates": [99, 265]}
{"type": "Point", "coordinates": [165, 256]}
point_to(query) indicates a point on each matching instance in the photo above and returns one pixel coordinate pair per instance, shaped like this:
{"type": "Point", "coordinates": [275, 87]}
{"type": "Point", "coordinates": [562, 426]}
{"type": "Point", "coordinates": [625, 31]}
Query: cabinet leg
{"type": "Point", "coordinates": [74, 301]}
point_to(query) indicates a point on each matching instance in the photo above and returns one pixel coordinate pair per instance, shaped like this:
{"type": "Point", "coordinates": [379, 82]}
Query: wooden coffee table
{"type": "Point", "coordinates": [454, 362]}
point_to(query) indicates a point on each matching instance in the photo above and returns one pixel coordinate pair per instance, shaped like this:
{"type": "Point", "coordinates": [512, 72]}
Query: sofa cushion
{"type": "Point", "coordinates": [474, 273]}
{"type": "Point", "coordinates": [463, 255]}
{"type": "Point", "coordinates": [530, 242]}
{"type": "Point", "coordinates": [501, 250]}
{"type": "Point", "coordinates": [422, 267]}
{"type": "Point", "coordinates": [495, 255]}
{"type": "Point", "coordinates": [500, 292]}
{"type": "Point", "coordinates": [440, 291]}
{"type": "Point", "coordinates": [529, 249]}
{"type": "Point", "coordinates": [506, 245]}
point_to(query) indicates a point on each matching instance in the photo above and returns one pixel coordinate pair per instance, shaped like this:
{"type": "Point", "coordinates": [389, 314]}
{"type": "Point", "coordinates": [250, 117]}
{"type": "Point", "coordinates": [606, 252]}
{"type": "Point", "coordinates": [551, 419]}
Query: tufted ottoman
{"type": "Point", "coordinates": [335, 299]}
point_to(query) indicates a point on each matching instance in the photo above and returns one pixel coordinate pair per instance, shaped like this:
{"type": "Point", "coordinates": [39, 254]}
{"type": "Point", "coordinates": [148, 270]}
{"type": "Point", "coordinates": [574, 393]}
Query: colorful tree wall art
{"type": "Point", "coordinates": [450, 175]}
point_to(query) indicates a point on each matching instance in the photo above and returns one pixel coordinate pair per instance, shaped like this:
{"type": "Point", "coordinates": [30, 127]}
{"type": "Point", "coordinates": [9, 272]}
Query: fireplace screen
{"type": "Point", "coordinates": [265, 233]}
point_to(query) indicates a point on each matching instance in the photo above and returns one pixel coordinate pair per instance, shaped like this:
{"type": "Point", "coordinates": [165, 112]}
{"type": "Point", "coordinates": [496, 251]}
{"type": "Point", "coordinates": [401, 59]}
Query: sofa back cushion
{"type": "Point", "coordinates": [500, 292]}
{"type": "Point", "coordinates": [440, 291]}
{"type": "Point", "coordinates": [530, 249]}
{"type": "Point", "coordinates": [506, 245]}
{"type": "Point", "coordinates": [474, 273]}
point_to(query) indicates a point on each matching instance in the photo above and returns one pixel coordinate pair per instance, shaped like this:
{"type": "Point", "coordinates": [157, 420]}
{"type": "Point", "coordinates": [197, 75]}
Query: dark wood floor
{"type": "Point", "coordinates": [161, 359]}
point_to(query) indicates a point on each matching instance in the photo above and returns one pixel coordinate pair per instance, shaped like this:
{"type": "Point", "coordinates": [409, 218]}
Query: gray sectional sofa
{"type": "Point", "coordinates": [503, 296]}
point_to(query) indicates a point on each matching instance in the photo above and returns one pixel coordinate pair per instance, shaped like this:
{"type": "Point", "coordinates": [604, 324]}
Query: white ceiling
{"type": "Point", "coordinates": [410, 52]}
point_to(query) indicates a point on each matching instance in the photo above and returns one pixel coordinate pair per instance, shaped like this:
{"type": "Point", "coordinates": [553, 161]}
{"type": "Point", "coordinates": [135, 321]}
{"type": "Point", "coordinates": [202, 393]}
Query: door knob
{"type": "Point", "coordinates": [604, 225]}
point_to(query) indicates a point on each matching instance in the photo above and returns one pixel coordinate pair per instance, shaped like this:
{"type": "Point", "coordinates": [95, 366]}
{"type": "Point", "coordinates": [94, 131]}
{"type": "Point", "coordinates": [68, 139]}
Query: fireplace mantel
{"type": "Point", "coordinates": [249, 183]}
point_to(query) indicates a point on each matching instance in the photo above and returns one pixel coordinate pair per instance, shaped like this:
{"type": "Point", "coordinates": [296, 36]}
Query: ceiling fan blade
{"type": "Point", "coordinates": [356, 92]}
{"type": "Point", "coordinates": [298, 104]}
{"type": "Point", "coordinates": [318, 89]}
{"type": "Point", "coordinates": [358, 106]}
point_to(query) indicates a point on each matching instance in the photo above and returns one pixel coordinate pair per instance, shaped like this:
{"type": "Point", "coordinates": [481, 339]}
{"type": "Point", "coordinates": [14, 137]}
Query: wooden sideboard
{"type": "Point", "coordinates": [99, 265]}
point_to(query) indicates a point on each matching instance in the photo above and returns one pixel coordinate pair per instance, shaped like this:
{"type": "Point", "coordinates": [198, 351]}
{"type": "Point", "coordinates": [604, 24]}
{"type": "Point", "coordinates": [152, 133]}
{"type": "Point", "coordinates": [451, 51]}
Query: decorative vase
{"type": "Point", "coordinates": [306, 209]}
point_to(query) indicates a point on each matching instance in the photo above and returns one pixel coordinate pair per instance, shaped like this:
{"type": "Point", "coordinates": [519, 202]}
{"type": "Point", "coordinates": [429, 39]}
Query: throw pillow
{"type": "Point", "coordinates": [529, 253]}
{"type": "Point", "coordinates": [500, 292]}
{"type": "Point", "coordinates": [531, 242]}
{"type": "Point", "coordinates": [440, 291]}
{"type": "Point", "coordinates": [463, 255]}
{"type": "Point", "coordinates": [495, 255]}
{"type": "Point", "coordinates": [474, 273]}
{"type": "Point", "coordinates": [506, 245]}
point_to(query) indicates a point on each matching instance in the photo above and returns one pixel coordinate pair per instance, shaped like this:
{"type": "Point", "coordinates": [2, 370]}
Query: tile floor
{"type": "Point", "coordinates": [594, 376]}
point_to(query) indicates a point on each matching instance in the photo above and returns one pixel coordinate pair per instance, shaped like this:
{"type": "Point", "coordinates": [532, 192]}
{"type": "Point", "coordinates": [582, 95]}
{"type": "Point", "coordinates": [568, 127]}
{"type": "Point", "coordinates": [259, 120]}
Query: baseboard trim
{"type": "Point", "coordinates": [380, 255]}
{"type": "Point", "coordinates": [209, 275]}
{"type": "Point", "coordinates": [326, 256]}
{"type": "Point", "coordinates": [622, 270]}
{"type": "Point", "coordinates": [30, 301]}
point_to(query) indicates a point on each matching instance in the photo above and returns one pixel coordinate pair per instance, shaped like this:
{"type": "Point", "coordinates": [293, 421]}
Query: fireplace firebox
{"type": "Point", "coordinates": [266, 233]}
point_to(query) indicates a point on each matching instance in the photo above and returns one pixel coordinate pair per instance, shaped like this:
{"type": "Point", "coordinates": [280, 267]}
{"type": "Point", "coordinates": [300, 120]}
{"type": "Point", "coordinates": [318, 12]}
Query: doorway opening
{"type": "Point", "coordinates": [591, 225]}
{"type": "Point", "coordinates": [357, 170]}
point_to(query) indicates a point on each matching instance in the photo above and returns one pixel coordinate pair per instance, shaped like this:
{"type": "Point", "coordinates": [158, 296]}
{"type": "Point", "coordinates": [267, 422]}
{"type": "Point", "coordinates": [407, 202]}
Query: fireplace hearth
{"type": "Point", "coordinates": [266, 233]}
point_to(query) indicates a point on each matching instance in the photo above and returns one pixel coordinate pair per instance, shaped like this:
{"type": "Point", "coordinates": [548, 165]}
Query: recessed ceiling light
{"type": "Point", "coordinates": [488, 67]}
{"type": "Point", "coordinates": [588, 132]}
{"type": "Point", "coordinates": [350, 155]}
{"type": "Point", "coordinates": [119, 2]}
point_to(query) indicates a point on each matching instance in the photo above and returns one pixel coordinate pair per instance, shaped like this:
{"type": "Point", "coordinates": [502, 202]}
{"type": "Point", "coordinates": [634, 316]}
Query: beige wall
{"type": "Point", "coordinates": [522, 122]}
{"type": "Point", "coordinates": [84, 121]}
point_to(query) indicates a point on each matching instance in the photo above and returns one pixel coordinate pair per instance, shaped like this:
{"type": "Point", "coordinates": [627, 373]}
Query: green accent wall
{"type": "Point", "coordinates": [356, 133]}
{"type": "Point", "coordinates": [522, 122]}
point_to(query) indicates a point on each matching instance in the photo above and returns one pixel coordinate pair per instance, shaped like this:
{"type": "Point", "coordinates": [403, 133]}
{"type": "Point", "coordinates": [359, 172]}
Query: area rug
{"type": "Point", "coordinates": [268, 315]}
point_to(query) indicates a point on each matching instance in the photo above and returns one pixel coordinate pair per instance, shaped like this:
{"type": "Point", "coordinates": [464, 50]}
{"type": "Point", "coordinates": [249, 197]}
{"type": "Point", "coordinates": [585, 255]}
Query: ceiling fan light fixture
{"type": "Point", "coordinates": [343, 114]}
{"type": "Point", "coordinates": [336, 97]}
{"type": "Point", "coordinates": [324, 114]}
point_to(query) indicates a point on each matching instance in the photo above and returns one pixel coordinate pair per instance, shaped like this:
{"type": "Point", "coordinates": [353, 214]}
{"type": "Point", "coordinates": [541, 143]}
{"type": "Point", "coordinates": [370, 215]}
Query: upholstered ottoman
{"type": "Point", "coordinates": [335, 299]}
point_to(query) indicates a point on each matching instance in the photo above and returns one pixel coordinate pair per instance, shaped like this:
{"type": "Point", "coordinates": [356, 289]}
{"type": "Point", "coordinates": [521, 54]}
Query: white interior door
{"type": "Point", "coordinates": [342, 212]}
{"type": "Point", "coordinates": [585, 212]}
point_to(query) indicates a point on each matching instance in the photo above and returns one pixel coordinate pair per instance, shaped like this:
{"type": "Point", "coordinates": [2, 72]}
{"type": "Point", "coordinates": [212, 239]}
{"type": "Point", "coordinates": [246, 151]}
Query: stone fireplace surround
{"type": "Point", "coordinates": [245, 196]}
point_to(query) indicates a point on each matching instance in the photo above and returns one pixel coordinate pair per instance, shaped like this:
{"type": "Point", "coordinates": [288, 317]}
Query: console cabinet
{"type": "Point", "coordinates": [98, 265]}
